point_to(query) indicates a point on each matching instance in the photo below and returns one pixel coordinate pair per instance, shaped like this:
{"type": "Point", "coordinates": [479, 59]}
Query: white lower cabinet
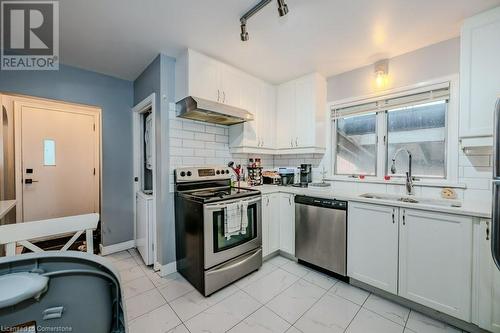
{"type": "Point", "coordinates": [486, 280]}
{"type": "Point", "coordinates": [425, 257]}
{"type": "Point", "coordinates": [287, 223]}
{"type": "Point", "coordinates": [435, 261]}
{"type": "Point", "coordinates": [270, 223]}
{"type": "Point", "coordinates": [372, 245]}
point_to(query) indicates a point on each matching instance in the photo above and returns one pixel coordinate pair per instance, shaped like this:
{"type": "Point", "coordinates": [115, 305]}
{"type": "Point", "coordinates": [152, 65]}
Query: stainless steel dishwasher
{"type": "Point", "coordinates": [321, 233]}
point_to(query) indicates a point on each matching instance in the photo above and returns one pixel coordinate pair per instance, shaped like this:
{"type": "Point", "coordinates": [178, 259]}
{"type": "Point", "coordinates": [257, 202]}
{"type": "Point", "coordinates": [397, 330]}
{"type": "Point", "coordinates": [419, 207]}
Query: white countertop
{"type": "Point", "coordinates": [6, 206]}
{"type": "Point", "coordinates": [475, 209]}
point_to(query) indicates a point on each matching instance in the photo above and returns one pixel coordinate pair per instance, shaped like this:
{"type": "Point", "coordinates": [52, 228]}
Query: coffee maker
{"type": "Point", "coordinates": [305, 175]}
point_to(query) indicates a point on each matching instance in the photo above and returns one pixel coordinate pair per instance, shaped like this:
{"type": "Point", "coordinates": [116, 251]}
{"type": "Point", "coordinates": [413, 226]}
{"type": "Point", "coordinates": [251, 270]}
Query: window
{"type": "Point", "coordinates": [357, 145]}
{"type": "Point", "coordinates": [421, 130]}
{"type": "Point", "coordinates": [367, 136]}
{"type": "Point", "coordinates": [49, 152]}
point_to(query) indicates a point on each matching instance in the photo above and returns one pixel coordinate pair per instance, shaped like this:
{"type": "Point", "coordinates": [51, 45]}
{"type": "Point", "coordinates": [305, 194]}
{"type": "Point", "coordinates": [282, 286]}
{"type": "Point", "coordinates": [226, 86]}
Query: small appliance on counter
{"type": "Point", "coordinates": [271, 177]}
{"type": "Point", "coordinates": [305, 175]}
{"type": "Point", "coordinates": [288, 176]}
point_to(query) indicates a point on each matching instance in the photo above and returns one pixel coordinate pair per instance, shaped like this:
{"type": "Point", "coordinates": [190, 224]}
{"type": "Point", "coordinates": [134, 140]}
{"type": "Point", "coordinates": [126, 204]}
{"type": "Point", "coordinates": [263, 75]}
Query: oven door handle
{"type": "Point", "coordinates": [220, 206]}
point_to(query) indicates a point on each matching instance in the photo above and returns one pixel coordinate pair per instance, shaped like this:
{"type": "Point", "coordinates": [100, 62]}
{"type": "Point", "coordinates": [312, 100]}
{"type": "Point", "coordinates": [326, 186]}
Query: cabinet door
{"type": "Point", "coordinates": [266, 216]}
{"type": "Point", "coordinates": [266, 121]}
{"type": "Point", "coordinates": [435, 259]}
{"type": "Point", "coordinates": [204, 77]}
{"type": "Point", "coordinates": [274, 222]}
{"type": "Point", "coordinates": [372, 245]}
{"type": "Point", "coordinates": [287, 223]}
{"type": "Point", "coordinates": [486, 281]}
{"type": "Point", "coordinates": [232, 87]}
{"type": "Point", "coordinates": [304, 135]}
{"type": "Point", "coordinates": [479, 73]}
{"type": "Point", "coordinates": [285, 116]}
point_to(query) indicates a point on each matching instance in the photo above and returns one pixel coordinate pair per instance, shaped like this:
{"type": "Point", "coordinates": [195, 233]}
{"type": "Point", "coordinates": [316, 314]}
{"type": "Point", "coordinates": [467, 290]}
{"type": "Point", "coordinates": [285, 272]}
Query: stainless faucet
{"type": "Point", "coordinates": [409, 177]}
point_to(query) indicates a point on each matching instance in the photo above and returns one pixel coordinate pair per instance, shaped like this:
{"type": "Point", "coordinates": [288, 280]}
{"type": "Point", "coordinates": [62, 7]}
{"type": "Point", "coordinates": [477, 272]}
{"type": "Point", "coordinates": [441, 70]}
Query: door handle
{"type": "Point", "coordinates": [223, 97]}
{"type": "Point", "coordinates": [30, 181]}
{"type": "Point", "coordinates": [487, 230]}
{"type": "Point", "coordinates": [393, 221]}
{"type": "Point", "coordinates": [296, 142]}
{"type": "Point", "coordinates": [218, 95]}
{"type": "Point", "coordinates": [404, 217]}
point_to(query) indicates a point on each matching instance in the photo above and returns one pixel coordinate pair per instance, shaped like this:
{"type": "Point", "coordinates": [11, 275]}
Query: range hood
{"type": "Point", "coordinates": [200, 109]}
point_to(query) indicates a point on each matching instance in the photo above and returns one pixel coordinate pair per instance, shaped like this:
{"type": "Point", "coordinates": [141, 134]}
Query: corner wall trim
{"type": "Point", "coordinates": [168, 268]}
{"type": "Point", "coordinates": [105, 250]}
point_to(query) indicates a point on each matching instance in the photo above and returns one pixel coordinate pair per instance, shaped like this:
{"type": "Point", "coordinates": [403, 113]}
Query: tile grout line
{"type": "Point", "coordinates": [361, 307]}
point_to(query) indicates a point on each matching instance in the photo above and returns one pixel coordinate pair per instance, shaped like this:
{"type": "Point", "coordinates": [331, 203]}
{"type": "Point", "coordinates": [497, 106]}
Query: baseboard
{"type": "Point", "coordinates": [168, 268]}
{"type": "Point", "coordinates": [105, 250]}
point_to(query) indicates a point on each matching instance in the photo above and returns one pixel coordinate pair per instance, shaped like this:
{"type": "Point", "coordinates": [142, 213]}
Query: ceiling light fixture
{"type": "Point", "coordinates": [382, 73]}
{"type": "Point", "coordinates": [282, 11]}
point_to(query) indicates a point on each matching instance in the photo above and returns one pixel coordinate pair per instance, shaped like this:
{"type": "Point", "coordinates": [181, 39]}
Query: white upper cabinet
{"type": "Point", "coordinates": [301, 115]}
{"type": "Point", "coordinates": [372, 245]}
{"type": "Point", "coordinates": [479, 77]}
{"type": "Point", "coordinates": [486, 280]}
{"type": "Point", "coordinates": [435, 261]}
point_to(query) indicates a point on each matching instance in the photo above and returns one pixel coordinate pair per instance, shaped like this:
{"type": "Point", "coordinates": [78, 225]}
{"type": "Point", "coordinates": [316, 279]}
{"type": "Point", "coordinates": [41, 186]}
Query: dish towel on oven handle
{"type": "Point", "coordinates": [232, 220]}
{"type": "Point", "coordinates": [244, 217]}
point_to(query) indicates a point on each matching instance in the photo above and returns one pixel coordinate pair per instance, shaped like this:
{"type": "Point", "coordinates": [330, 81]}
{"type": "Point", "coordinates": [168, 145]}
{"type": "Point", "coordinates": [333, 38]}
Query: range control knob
{"type": "Point", "coordinates": [189, 173]}
{"type": "Point", "coordinates": [227, 172]}
{"type": "Point", "coordinates": [218, 172]}
{"type": "Point", "coordinates": [183, 173]}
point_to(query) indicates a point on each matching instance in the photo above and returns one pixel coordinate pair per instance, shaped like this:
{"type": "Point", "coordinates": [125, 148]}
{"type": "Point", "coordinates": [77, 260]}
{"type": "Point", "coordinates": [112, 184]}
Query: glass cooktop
{"type": "Point", "coordinates": [220, 193]}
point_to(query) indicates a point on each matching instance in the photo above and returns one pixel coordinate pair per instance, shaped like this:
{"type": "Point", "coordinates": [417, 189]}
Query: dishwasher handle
{"type": "Point", "coordinates": [321, 202]}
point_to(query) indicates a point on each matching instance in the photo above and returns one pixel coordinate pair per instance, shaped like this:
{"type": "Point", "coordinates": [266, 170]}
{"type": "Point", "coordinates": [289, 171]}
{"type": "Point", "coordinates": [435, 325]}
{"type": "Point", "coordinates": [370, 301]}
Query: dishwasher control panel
{"type": "Point", "coordinates": [321, 202]}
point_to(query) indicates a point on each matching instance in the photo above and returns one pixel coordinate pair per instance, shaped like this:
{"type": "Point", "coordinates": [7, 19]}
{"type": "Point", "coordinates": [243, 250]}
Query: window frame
{"type": "Point", "coordinates": [451, 174]}
{"type": "Point", "coordinates": [377, 152]}
{"type": "Point", "coordinates": [446, 140]}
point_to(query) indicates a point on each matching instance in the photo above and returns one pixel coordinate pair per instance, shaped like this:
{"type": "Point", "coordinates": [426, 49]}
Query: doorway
{"type": "Point", "coordinates": [145, 184]}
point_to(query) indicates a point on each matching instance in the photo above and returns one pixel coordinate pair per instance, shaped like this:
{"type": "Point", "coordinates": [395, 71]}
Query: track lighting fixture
{"type": "Point", "coordinates": [282, 11]}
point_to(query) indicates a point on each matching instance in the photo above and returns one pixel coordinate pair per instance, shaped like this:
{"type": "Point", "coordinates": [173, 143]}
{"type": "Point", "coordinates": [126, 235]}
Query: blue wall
{"type": "Point", "coordinates": [115, 97]}
{"type": "Point", "coordinates": [159, 77]}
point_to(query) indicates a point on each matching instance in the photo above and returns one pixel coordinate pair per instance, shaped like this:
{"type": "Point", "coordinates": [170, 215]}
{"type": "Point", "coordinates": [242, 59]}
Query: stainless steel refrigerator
{"type": "Point", "coordinates": [495, 225]}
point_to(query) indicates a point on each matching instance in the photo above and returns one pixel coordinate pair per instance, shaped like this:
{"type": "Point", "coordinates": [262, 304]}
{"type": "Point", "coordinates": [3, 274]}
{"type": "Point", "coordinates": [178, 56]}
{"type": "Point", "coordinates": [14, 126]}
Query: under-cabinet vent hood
{"type": "Point", "coordinates": [200, 109]}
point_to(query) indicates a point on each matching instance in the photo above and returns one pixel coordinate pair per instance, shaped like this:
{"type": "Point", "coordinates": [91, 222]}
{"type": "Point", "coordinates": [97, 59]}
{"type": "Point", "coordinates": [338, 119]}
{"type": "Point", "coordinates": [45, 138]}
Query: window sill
{"type": "Point", "coordinates": [423, 183]}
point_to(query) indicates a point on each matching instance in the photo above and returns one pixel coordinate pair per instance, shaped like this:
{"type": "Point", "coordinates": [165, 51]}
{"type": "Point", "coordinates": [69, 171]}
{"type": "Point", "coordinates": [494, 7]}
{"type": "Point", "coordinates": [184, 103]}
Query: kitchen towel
{"type": "Point", "coordinates": [244, 217]}
{"type": "Point", "coordinates": [232, 220]}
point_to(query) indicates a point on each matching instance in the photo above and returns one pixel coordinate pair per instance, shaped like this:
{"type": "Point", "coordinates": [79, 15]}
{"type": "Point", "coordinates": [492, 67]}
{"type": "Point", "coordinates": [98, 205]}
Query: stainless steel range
{"type": "Point", "coordinates": [206, 209]}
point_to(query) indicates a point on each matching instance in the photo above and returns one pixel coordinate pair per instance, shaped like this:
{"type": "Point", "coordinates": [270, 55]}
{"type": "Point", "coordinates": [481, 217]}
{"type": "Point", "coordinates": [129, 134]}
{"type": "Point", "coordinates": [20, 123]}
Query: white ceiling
{"type": "Point", "coordinates": [120, 37]}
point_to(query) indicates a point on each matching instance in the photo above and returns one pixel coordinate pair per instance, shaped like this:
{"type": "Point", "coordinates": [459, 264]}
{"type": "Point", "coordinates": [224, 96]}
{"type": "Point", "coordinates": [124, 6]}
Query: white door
{"type": "Point", "coordinates": [267, 116]}
{"type": "Point", "coordinates": [372, 245]}
{"type": "Point", "coordinates": [285, 116]}
{"type": "Point", "coordinates": [266, 216]}
{"type": "Point", "coordinates": [486, 280]}
{"type": "Point", "coordinates": [305, 112]}
{"type": "Point", "coordinates": [58, 161]}
{"type": "Point", "coordinates": [435, 261]}
{"type": "Point", "coordinates": [287, 223]}
{"type": "Point", "coordinates": [204, 77]}
{"type": "Point", "coordinates": [479, 73]}
{"type": "Point", "coordinates": [232, 86]}
{"type": "Point", "coordinates": [274, 222]}
{"type": "Point", "coordinates": [144, 233]}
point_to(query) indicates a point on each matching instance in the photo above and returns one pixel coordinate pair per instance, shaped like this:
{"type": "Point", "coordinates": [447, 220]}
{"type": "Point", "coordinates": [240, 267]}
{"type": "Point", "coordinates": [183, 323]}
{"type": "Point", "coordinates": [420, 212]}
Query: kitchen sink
{"type": "Point", "coordinates": [412, 199]}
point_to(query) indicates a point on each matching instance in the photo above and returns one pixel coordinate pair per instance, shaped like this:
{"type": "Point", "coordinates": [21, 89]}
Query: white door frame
{"type": "Point", "coordinates": [143, 106]}
{"type": "Point", "coordinates": [21, 100]}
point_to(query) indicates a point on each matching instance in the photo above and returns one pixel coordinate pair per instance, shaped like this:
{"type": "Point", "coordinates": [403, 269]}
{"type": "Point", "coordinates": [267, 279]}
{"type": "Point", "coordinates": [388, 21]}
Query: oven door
{"type": "Point", "coordinates": [219, 249]}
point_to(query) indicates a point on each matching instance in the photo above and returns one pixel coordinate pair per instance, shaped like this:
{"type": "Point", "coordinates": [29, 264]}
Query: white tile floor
{"type": "Point", "coordinates": [282, 296]}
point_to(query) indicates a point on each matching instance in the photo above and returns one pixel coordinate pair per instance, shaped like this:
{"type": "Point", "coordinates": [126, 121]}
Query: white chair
{"type": "Point", "coordinates": [24, 233]}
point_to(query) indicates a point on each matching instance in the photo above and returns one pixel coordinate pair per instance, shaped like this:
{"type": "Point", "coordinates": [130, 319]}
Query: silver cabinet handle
{"type": "Point", "coordinates": [262, 143]}
{"type": "Point", "coordinates": [393, 220]}
{"type": "Point", "coordinates": [404, 217]}
{"type": "Point", "coordinates": [218, 95]}
{"type": "Point", "coordinates": [290, 200]}
{"type": "Point", "coordinates": [296, 142]}
{"type": "Point", "coordinates": [223, 97]}
{"type": "Point", "coordinates": [291, 142]}
{"type": "Point", "coordinates": [267, 201]}
{"type": "Point", "coordinates": [487, 230]}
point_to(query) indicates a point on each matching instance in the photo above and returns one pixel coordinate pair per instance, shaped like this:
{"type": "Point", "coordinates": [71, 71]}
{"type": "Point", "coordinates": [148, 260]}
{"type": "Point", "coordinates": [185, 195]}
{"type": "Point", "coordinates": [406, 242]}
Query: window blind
{"type": "Point", "coordinates": [409, 98]}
